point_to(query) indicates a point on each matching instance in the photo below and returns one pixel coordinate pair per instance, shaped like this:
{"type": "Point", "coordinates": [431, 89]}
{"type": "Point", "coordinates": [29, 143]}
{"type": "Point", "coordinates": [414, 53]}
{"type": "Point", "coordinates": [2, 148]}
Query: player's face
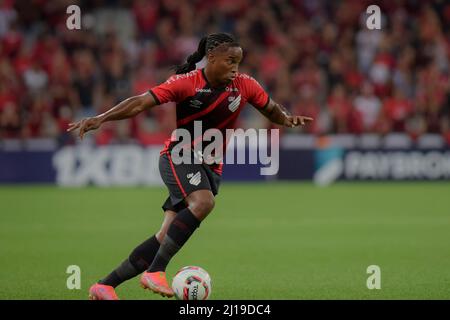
{"type": "Point", "coordinates": [224, 64]}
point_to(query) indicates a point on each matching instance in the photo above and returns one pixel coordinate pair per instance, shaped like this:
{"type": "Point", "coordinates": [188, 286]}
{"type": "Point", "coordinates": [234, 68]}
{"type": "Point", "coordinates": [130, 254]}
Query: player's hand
{"type": "Point", "coordinates": [294, 121]}
{"type": "Point", "coordinates": [85, 125]}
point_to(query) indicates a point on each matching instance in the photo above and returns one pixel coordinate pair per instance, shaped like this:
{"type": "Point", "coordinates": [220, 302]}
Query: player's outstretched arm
{"type": "Point", "coordinates": [125, 109]}
{"type": "Point", "coordinates": [278, 114]}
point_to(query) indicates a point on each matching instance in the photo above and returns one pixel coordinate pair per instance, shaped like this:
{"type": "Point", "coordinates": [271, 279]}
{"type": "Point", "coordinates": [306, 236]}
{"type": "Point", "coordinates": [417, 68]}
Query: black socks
{"type": "Point", "coordinates": [139, 260]}
{"type": "Point", "coordinates": [151, 255]}
{"type": "Point", "coordinates": [181, 228]}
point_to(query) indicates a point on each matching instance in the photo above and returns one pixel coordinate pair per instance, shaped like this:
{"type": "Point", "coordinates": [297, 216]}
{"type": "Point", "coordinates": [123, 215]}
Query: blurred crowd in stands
{"type": "Point", "coordinates": [316, 57]}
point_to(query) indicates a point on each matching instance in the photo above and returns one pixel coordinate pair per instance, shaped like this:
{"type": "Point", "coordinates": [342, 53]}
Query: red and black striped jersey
{"type": "Point", "coordinates": [217, 108]}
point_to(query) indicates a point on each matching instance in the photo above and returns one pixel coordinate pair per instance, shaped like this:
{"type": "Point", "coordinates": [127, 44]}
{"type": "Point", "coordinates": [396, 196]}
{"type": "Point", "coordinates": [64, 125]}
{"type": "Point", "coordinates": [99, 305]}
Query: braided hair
{"type": "Point", "coordinates": [205, 45]}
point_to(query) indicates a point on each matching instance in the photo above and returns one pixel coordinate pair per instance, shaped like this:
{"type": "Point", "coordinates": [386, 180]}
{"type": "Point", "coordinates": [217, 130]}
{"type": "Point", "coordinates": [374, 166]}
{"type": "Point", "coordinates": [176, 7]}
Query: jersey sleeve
{"type": "Point", "coordinates": [255, 93]}
{"type": "Point", "coordinates": [175, 89]}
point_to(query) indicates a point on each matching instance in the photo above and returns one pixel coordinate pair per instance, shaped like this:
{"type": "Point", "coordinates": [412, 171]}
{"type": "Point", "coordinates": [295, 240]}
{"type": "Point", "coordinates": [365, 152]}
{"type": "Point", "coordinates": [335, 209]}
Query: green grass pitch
{"type": "Point", "coordinates": [262, 241]}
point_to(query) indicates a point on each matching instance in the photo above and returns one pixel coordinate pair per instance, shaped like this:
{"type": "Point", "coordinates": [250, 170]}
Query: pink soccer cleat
{"type": "Point", "coordinates": [157, 282]}
{"type": "Point", "coordinates": [102, 292]}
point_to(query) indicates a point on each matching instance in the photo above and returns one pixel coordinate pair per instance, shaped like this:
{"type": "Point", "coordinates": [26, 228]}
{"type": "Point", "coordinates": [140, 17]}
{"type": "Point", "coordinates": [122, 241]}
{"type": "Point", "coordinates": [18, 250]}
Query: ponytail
{"type": "Point", "coordinates": [192, 60]}
{"type": "Point", "coordinates": [205, 45]}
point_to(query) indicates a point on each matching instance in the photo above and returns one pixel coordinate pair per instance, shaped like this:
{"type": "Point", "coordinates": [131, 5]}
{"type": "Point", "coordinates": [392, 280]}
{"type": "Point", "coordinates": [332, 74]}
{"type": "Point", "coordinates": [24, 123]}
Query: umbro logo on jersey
{"type": "Point", "coordinates": [196, 104]}
{"type": "Point", "coordinates": [234, 104]}
{"type": "Point", "coordinates": [195, 179]}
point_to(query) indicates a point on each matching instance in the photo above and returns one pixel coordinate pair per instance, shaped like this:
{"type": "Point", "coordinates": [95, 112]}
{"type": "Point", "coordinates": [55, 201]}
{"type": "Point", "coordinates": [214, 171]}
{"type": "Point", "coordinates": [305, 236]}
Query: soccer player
{"type": "Point", "coordinates": [214, 95]}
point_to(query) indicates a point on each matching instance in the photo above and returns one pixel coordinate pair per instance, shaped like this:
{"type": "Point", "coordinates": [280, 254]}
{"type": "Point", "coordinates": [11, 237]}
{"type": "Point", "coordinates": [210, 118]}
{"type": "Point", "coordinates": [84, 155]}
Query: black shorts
{"type": "Point", "coordinates": [183, 179]}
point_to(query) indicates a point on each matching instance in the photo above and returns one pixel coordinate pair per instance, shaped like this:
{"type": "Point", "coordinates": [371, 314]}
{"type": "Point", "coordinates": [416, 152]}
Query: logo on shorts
{"type": "Point", "coordinates": [234, 103]}
{"type": "Point", "coordinates": [195, 179]}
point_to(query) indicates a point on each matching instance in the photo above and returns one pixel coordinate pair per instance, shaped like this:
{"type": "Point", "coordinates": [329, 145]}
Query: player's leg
{"type": "Point", "coordinates": [169, 215]}
{"type": "Point", "coordinates": [194, 184]}
{"type": "Point", "coordinates": [141, 257]}
{"type": "Point", "coordinates": [138, 261]}
{"type": "Point", "coordinates": [200, 204]}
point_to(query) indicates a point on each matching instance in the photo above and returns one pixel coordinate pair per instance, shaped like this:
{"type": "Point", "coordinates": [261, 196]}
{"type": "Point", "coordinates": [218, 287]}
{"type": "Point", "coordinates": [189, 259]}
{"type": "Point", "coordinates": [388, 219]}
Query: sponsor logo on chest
{"type": "Point", "coordinates": [203, 90]}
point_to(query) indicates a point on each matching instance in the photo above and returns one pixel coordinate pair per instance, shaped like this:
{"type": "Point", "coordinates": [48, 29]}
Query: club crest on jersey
{"type": "Point", "coordinates": [194, 179]}
{"type": "Point", "coordinates": [234, 103]}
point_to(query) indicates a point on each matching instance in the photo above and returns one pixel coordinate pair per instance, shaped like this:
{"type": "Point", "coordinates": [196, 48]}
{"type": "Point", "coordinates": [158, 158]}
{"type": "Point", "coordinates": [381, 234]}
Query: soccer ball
{"type": "Point", "coordinates": [192, 283]}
